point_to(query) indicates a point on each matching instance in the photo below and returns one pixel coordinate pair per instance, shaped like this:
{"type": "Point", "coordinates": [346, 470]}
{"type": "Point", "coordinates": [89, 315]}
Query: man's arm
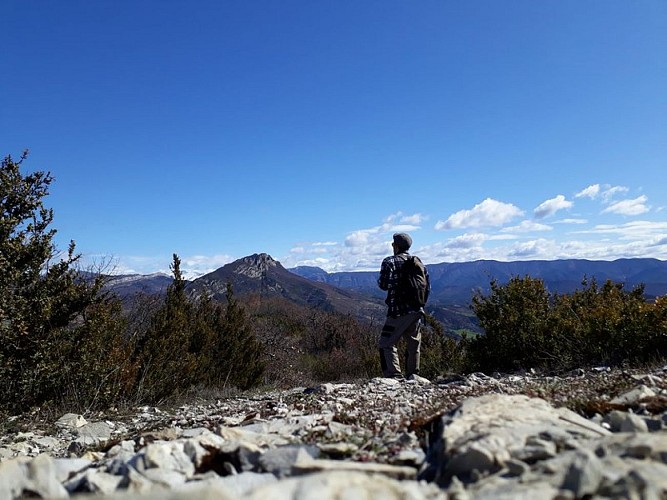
{"type": "Point", "coordinates": [385, 275]}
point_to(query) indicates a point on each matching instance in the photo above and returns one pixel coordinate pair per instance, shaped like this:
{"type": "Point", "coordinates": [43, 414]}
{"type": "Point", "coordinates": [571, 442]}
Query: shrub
{"type": "Point", "coordinates": [236, 357]}
{"type": "Point", "coordinates": [338, 347]}
{"type": "Point", "coordinates": [607, 324]}
{"type": "Point", "coordinates": [515, 321]}
{"type": "Point", "coordinates": [526, 327]}
{"type": "Point", "coordinates": [54, 323]}
{"type": "Point", "coordinates": [196, 342]}
{"type": "Point", "coordinates": [440, 354]}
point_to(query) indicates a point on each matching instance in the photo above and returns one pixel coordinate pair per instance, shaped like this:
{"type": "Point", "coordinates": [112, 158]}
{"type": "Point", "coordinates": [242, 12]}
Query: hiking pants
{"type": "Point", "coordinates": [408, 327]}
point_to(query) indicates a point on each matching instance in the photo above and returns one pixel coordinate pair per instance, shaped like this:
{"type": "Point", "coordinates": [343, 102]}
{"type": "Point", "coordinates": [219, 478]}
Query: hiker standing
{"type": "Point", "coordinates": [405, 312]}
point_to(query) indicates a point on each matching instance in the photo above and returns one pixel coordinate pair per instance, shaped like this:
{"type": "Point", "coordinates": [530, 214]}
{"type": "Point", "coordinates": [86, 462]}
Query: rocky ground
{"type": "Point", "coordinates": [591, 433]}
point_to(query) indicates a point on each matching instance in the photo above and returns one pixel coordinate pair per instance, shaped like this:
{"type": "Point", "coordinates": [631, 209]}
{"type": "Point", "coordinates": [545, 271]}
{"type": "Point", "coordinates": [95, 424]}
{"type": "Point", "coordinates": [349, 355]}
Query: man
{"type": "Point", "coordinates": [403, 320]}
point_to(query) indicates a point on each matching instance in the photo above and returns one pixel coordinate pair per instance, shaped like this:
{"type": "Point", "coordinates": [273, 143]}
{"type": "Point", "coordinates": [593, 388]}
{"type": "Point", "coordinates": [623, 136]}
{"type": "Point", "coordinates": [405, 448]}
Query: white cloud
{"type": "Point", "coordinates": [502, 237]}
{"type": "Point", "coordinates": [377, 239]}
{"type": "Point", "coordinates": [571, 221]}
{"type": "Point", "coordinates": [298, 250]}
{"type": "Point", "coordinates": [549, 249]}
{"type": "Point", "coordinates": [635, 230]}
{"type": "Point", "coordinates": [359, 238]}
{"type": "Point", "coordinates": [550, 207]}
{"type": "Point", "coordinates": [488, 213]}
{"type": "Point", "coordinates": [534, 249]}
{"type": "Point", "coordinates": [391, 224]}
{"type": "Point", "coordinates": [400, 222]}
{"type": "Point", "coordinates": [401, 228]}
{"type": "Point", "coordinates": [527, 226]}
{"type": "Point", "coordinates": [468, 240]}
{"type": "Point", "coordinates": [315, 262]}
{"type": "Point", "coordinates": [635, 206]}
{"type": "Point", "coordinates": [414, 219]}
{"type": "Point", "coordinates": [612, 191]}
{"type": "Point", "coordinates": [215, 261]}
{"type": "Point", "coordinates": [198, 265]}
{"type": "Point", "coordinates": [606, 192]}
{"type": "Point", "coordinates": [591, 192]}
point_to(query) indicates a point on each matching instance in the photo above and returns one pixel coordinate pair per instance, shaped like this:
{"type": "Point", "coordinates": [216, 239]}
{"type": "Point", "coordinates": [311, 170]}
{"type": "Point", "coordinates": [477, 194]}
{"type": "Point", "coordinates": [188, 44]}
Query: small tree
{"type": "Point", "coordinates": [237, 356]}
{"type": "Point", "coordinates": [43, 298]}
{"type": "Point", "coordinates": [163, 352]}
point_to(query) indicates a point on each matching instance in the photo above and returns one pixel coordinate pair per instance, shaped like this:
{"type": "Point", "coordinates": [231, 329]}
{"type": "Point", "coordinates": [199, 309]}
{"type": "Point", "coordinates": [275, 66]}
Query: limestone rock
{"type": "Point", "coordinates": [634, 396]}
{"type": "Point", "coordinates": [345, 484]}
{"type": "Point", "coordinates": [93, 434]}
{"type": "Point", "coordinates": [71, 421]}
{"type": "Point", "coordinates": [484, 433]}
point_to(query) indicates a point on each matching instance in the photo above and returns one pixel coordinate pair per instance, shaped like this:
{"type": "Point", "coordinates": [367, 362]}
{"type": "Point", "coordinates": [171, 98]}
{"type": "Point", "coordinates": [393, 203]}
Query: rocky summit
{"type": "Point", "coordinates": [588, 434]}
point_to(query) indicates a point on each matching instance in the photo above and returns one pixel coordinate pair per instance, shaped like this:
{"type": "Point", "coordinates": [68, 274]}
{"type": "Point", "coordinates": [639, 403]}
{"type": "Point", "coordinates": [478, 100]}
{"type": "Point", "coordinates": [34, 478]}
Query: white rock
{"type": "Point", "coordinates": [279, 461]}
{"type": "Point", "coordinates": [102, 482]}
{"type": "Point", "coordinates": [634, 396]}
{"type": "Point", "coordinates": [93, 434]}
{"type": "Point", "coordinates": [241, 484]}
{"type": "Point", "coordinates": [41, 478]}
{"type": "Point", "coordinates": [485, 432]}
{"type": "Point", "coordinates": [388, 382]}
{"type": "Point", "coordinates": [71, 421]}
{"type": "Point", "coordinates": [418, 379]}
{"type": "Point", "coordinates": [345, 485]}
{"type": "Point", "coordinates": [48, 442]}
{"type": "Point", "coordinates": [65, 468]}
{"type": "Point", "coordinates": [246, 436]}
{"type": "Point", "coordinates": [169, 456]}
{"type": "Point", "coordinates": [165, 477]}
{"type": "Point", "coordinates": [12, 478]}
{"type": "Point", "coordinates": [137, 482]}
{"type": "Point", "coordinates": [633, 423]}
{"type": "Point", "coordinates": [584, 474]}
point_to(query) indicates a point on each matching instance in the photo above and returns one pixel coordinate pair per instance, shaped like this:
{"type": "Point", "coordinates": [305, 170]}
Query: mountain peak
{"type": "Point", "coordinates": [255, 265]}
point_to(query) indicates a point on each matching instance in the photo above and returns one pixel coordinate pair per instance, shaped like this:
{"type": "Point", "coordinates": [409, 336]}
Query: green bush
{"type": "Point", "coordinates": [55, 325]}
{"type": "Point", "coordinates": [236, 357]}
{"type": "Point", "coordinates": [527, 327]}
{"type": "Point", "coordinates": [515, 321]}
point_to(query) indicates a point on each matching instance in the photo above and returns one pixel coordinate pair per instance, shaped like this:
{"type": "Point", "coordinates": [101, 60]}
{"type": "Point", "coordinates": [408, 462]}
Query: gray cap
{"type": "Point", "coordinates": [403, 241]}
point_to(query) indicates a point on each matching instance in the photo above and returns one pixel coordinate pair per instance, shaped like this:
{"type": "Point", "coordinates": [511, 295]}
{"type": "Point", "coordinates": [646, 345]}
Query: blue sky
{"type": "Point", "coordinates": [489, 129]}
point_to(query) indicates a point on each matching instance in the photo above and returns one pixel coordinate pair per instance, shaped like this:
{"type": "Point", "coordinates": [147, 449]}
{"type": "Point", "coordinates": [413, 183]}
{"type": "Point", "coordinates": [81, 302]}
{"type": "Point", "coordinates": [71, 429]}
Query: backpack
{"type": "Point", "coordinates": [413, 283]}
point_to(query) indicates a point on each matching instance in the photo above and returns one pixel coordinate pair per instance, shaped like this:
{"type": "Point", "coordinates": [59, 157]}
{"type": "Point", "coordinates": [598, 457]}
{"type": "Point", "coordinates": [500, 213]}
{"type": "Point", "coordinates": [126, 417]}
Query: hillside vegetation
{"type": "Point", "coordinates": [65, 342]}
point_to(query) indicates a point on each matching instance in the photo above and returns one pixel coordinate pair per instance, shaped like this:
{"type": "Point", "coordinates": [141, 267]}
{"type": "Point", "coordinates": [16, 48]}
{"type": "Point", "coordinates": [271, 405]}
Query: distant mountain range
{"type": "Point", "coordinates": [126, 285]}
{"type": "Point", "coordinates": [357, 294]}
{"type": "Point", "coordinates": [455, 283]}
